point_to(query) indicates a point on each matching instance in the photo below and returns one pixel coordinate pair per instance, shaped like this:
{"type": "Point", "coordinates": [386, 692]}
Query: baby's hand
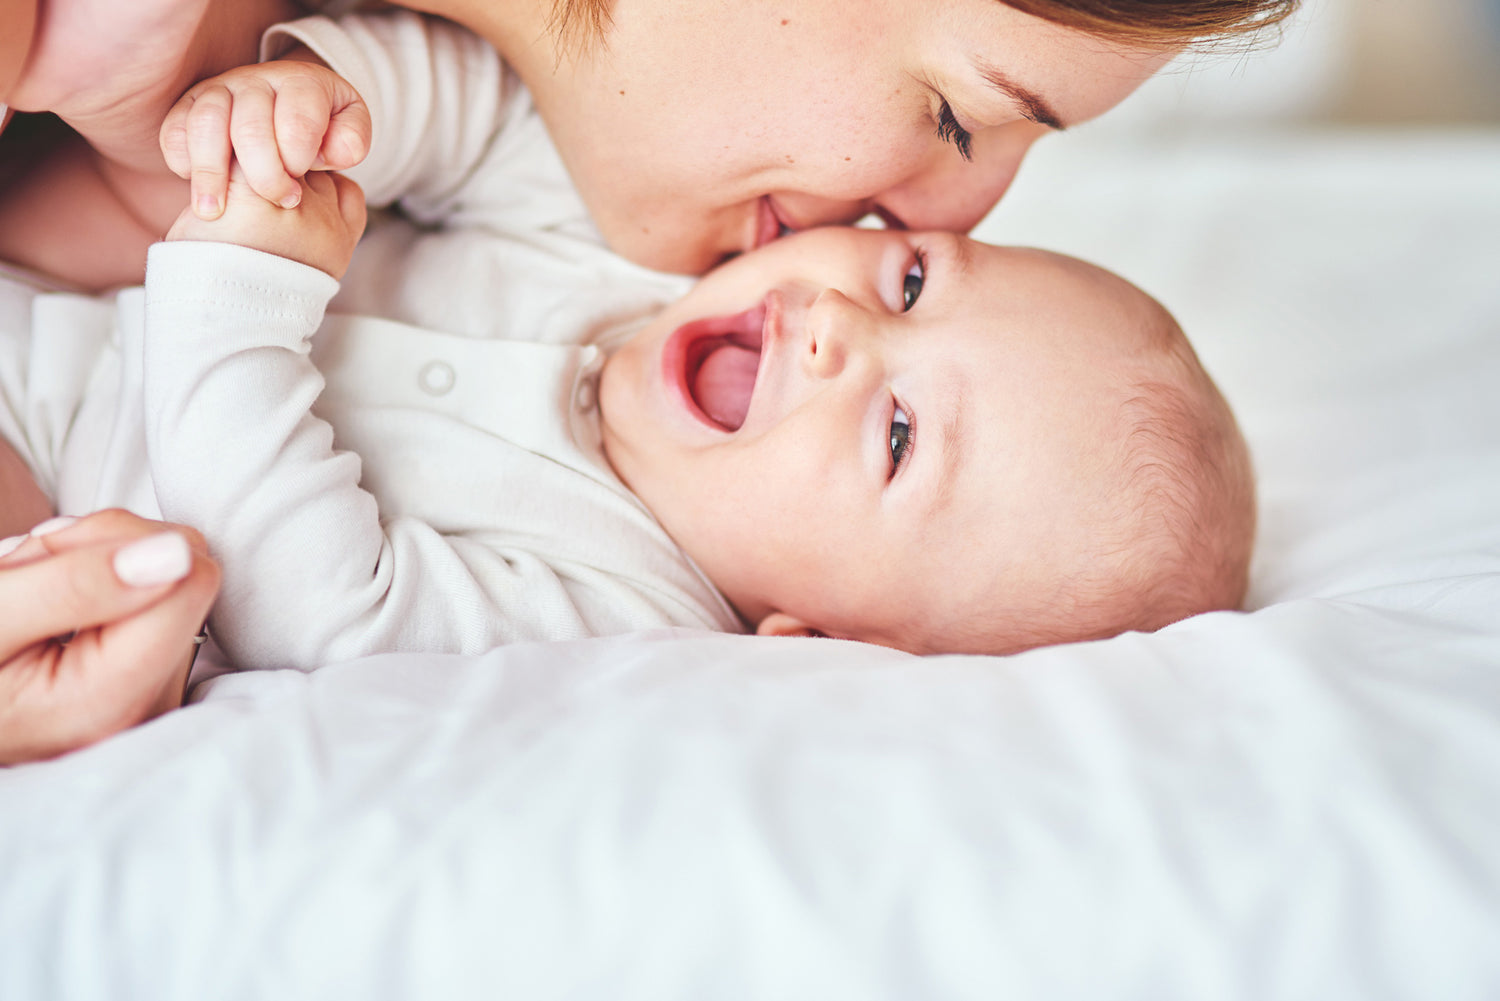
{"type": "Point", "coordinates": [320, 231]}
{"type": "Point", "coordinates": [278, 119]}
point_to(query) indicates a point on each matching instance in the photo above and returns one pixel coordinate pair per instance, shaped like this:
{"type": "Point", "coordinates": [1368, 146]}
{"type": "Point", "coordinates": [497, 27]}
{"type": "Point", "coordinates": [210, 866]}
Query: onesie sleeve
{"type": "Point", "coordinates": [437, 95]}
{"type": "Point", "coordinates": [312, 571]}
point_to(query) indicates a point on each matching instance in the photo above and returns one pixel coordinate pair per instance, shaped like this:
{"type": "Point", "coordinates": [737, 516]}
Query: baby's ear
{"type": "Point", "coordinates": [782, 624]}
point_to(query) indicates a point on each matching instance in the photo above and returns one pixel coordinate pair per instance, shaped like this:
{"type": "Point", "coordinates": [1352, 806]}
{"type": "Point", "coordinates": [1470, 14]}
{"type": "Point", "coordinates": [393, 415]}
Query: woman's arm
{"type": "Point", "coordinates": [19, 18]}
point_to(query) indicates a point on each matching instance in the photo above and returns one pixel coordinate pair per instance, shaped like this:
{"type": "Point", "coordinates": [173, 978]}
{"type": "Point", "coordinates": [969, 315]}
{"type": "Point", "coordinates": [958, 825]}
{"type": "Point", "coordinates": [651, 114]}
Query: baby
{"type": "Point", "coordinates": [910, 439]}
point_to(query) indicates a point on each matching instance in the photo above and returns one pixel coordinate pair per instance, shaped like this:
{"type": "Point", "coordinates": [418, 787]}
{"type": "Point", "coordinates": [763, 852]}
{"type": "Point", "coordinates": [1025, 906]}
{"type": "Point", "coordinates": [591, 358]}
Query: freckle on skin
{"type": "Point", "coordinates": [785, 21]}
{"type": "Point", "coordinates": [622, 93]}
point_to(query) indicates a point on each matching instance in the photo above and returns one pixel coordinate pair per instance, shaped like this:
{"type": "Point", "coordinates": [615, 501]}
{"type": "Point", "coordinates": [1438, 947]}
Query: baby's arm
{"type": "Point", "coordinates": [314, 571]}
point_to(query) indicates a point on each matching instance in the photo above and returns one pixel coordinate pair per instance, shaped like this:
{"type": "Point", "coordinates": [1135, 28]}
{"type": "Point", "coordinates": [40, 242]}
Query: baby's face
{"type": "Point", "coordinates": [877, 433]}
{"type": "Point", "coordinates": [696, 131]}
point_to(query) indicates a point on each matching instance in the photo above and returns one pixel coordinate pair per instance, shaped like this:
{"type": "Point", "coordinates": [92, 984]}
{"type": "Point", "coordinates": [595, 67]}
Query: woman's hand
{"type": "Point", "coordinates": [98, 632]}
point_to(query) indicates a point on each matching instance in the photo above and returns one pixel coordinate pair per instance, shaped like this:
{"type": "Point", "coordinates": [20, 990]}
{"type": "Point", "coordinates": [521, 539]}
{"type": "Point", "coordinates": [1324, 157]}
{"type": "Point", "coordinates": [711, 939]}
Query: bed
{"type": "Point", "coordinates": [1298, 801]}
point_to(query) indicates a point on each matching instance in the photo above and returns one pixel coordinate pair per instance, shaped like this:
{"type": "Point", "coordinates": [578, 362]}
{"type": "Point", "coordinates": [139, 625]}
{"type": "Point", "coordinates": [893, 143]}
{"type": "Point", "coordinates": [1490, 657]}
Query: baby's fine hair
{"type": "Point", "coordinates": [1175, 526]}
{"type": "Point", "coordinates": [1187, 474]}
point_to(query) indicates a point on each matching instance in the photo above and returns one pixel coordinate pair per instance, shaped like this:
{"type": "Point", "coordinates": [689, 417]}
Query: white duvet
{"type": "Point", "coordinates": [1298, 802]}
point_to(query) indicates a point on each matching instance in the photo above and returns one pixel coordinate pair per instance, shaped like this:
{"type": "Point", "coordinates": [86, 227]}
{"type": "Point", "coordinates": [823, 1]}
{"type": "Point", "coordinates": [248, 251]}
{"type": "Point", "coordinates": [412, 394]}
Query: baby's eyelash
{"type": "Point", "coordinates": [904, 441]}
{"type": "Point", "coordinates": [950, 131]}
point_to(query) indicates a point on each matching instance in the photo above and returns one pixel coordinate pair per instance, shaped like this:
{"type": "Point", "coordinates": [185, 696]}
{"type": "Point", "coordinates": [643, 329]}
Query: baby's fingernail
{"type": "Point", "coordinates": [208, 206]}
{"type": "Point", "coordinates": [156, 559]}
{"type": "Point", "coordinates": [53, 525]}
{"type": "Point", "coordinates": [292, 200]}
{"type": "Point", "coordinates": [10, 545]}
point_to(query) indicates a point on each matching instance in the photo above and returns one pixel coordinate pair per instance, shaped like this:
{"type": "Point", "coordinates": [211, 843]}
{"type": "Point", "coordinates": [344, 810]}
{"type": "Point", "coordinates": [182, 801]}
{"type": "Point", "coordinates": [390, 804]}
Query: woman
{"type": "Point", "coordinates": [692, 131]}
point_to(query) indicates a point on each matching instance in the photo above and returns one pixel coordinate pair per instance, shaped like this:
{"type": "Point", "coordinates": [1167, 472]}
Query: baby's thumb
{"type": "Point", "coordinates": [346, 142]}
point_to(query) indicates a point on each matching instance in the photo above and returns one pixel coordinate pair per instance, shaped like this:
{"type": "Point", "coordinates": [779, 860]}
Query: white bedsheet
{"type": "Point", "coordinates": [1298, 802]}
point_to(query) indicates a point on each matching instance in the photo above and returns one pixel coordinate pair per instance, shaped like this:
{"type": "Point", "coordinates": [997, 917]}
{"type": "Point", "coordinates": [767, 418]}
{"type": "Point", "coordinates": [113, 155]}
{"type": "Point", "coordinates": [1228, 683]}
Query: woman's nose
{"type": "Point", "coordinates": [948, 192]}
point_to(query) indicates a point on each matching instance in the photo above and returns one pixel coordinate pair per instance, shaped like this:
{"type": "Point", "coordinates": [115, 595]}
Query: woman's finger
{"type": "Point", "coordinates": [108, 525]}
{"type": "Point", "coordinates": [88, 586]}
{"type": "Point", "coordinates": [137, 668]}
{"type": "Point", "coordinates": [206, 132]}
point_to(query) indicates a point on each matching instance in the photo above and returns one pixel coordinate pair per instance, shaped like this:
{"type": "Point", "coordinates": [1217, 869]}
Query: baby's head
{"type": "Point", "coordinates": [922, 441]}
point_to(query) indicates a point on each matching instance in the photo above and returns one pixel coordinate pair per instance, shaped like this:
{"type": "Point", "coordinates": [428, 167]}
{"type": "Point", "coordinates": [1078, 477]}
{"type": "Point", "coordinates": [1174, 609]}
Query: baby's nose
{"type": "Point", "coordinates": [838, 335]}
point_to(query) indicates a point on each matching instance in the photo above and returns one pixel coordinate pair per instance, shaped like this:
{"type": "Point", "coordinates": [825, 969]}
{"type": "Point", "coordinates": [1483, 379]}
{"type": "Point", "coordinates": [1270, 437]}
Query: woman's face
{"type": "Point", "coordinates": [695, 131]}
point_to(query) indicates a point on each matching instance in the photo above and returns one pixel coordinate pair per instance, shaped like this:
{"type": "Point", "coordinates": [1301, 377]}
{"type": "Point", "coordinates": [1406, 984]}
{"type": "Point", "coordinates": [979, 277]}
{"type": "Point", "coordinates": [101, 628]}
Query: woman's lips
{"type": "Point", "coordinates": [769, 222]}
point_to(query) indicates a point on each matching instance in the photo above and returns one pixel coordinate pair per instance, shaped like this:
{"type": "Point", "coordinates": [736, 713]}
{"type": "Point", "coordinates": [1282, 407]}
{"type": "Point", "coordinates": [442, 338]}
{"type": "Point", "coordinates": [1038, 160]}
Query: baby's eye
{"type": "Point", "coordinates": [900, 439]}
{"type": "Point", "coordinates": [911, 285]}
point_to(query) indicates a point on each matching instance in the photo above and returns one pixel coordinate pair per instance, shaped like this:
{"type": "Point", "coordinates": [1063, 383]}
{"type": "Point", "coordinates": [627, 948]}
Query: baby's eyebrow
{"type": "Point", "coordinates": [955, 440]}
{"type": "Point", "coordinates": [1033, 105]}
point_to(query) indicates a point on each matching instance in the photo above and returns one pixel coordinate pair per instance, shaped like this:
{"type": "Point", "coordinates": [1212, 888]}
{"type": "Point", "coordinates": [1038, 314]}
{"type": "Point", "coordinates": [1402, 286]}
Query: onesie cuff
{"type": "Point", "coordinates": [232, 296]}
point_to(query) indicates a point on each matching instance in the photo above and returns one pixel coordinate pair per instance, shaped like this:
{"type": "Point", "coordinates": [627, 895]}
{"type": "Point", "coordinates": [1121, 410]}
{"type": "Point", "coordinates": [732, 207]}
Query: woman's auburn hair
{"type": "Point", "coordinates": [1168, 23]}
{"type": "Point", "coordinates": [1161, 22]}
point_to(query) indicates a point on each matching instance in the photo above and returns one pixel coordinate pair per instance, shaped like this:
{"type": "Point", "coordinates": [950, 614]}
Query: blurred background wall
{"type": "Point", "coordinates": [1354, 62]}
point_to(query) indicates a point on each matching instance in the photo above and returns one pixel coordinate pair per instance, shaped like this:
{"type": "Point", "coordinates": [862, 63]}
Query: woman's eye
{"type": "Point", "coordinates": [900, 438]}
{"type": "Point", "coordinates": [911, 285]}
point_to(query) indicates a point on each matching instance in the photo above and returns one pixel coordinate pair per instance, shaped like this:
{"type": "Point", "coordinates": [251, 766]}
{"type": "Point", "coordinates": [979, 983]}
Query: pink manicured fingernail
{"type": "Point", "coordinates": [53, 525]}
{"type": "Point", "coordinates": [208, 206]}
{"type": "Point", "coordinates": [156, 559]}
{"type": "Point", "coordinates": [292, 200]}
{"type": "Point", "coordinates": [10, 545]}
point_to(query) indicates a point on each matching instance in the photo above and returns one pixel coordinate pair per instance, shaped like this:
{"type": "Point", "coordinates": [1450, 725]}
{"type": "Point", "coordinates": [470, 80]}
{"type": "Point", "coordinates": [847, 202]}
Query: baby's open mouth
{"type": "Point", "coordinates": [721, 365]}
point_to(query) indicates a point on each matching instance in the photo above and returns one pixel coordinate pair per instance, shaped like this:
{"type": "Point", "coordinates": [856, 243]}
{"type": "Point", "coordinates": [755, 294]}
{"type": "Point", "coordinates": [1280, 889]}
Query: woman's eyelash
{"type": "Point", "coordinates": [950, 131]}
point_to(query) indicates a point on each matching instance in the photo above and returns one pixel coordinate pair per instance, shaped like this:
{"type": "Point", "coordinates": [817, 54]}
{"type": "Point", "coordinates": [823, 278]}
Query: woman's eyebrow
{"type": "Point", "coordinates": [1033, 105]}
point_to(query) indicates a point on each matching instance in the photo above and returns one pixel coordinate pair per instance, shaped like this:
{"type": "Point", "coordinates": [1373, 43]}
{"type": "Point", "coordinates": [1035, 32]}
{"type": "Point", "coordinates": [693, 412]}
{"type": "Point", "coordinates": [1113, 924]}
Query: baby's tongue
{"type": "Point", "coordinates": [725, 382]}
